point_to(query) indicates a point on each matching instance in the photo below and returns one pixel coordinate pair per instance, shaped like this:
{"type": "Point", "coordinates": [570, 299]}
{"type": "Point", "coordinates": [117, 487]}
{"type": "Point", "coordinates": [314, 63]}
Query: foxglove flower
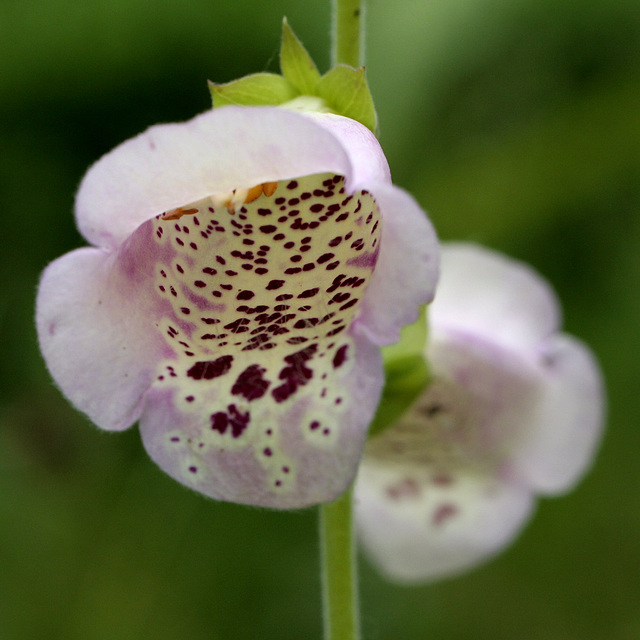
{"type": "Point", "coordinates": [514, 410]}
{"type": "Point", "coordinates": [246, 266]}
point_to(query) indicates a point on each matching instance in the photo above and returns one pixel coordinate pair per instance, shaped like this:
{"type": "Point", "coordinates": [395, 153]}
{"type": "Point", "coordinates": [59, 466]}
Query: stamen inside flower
{"type": "Point", "coordinates": [263, 286]}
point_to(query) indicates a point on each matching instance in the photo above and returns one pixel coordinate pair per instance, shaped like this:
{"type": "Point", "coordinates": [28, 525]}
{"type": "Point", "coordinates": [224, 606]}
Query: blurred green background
{"type": "Point", "coordinates": [516, 123]}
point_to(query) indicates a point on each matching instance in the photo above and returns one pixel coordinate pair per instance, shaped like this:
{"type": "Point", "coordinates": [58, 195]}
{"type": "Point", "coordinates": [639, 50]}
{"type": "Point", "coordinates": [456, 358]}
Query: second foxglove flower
{"type": "Point", "coordinates": [514, 410]}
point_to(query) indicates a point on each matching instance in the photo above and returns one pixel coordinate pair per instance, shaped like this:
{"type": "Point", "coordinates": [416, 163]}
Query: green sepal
{"type": "Point", "coordinates": [296, 64]}
{"type": "Point", "coordinates": [346, 91]}
{"type": "Point", "coordinates": [256, 89]}
{"type": "Point", "coordinates": [407, 375]}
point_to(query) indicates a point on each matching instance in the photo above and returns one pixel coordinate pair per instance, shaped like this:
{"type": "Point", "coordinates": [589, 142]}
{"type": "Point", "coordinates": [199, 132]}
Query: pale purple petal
{"type": "Point", "coordinates": [171, 165]}
{"type": "Point", "coordinates": [566, 428]}
{"type": "Point", "coordinates": [418, 524]}
{"type": "Point", "coordinates": [368, 167]}
{"type": "Point", "coordinates": [489, 295]}
{"type": "Point", "coordinates": [407, 267]}
{"type": "Point", "coordinates": [95, 336]}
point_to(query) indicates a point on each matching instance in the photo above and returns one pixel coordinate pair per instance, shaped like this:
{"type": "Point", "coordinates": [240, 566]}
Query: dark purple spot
{"type": "Point", "coordinates": [316, 208]}
{"type": "Point", "coordinates": [292, 270]}
{"type": "Point", "coordinates": [274, 284]}
{"type": "Point", "coordinates": [210, 270]}
{"type": "Point", "coordinates": [209, 369]}
{"type": "Point", "coordinates": [305, 323]}
{"type": "Point", "coordinates": [335, 242]}
{"type": "Point", "coordinates": [250, 383]}
{"type": "Point", "coordinates": [293, 184]}
{"type": "Point", "coordinates": [340, 356]}
{"type": "Point", "coordinates": [309, 293]}
{"type": "Point", "coordinates": [238, 325]}
{"type": "Point", "coordinates": [325, 257]}
{"type": "Point", "coordinates": [261, 271]}
{"type": "Point", "coordinates": [264, 212]}
{"type": "Point", "coordinates": [245, 295]}
{"type": "Point", "coordinates": [268, 228]}
{"type": "Point", "coordinates": [267, 451]}
{"type": "Point", "coordinates": [442, 513]}
{"type": "Point", "coordinates": [340, 297]}
{"type": "Point", "coordinates": [279, 236]}
{"type": "Point", "coordinates": [233, 418]}
{"type": "Point", "coordinates": [200, 284]}
{"type": "Point", "coordinates": [296, 374]}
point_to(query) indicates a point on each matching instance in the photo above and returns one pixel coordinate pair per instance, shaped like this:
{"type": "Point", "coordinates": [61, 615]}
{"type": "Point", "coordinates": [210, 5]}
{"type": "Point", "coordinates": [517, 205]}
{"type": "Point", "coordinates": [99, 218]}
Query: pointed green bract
{"type": "Point", "coordinates": [407, 374]}
{"type": "Point", "coordinates": [296, 63]}
{"type": "Point", "coordinates": [345, 90]}
{"type": "Point", "coordinates": [256, 89]}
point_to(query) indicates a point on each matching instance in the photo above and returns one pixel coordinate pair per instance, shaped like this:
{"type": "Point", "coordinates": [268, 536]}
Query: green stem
{"type": "Point", "coordinates": [339, 573]}
{"type": "Point", "coordinates": [347, 46]}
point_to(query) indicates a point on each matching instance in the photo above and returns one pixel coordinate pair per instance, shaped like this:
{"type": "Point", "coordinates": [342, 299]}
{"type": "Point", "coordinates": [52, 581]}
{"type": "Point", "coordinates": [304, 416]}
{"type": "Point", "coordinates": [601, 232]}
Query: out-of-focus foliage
{"type": "Point", "coordinates": [516, 123]}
